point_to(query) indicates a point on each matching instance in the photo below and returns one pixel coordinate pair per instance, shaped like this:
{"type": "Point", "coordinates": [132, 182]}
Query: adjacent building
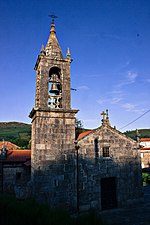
{"type": "Point", "coordinates": [15, 170]}
{"type": "Point", "coordinates": [145, 152]}
{"type": "Point", "coordinates": [8, 145]}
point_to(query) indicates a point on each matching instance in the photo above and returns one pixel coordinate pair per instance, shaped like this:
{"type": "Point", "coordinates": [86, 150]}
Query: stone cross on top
{"type": "Point", "coordinates": [105, 117]}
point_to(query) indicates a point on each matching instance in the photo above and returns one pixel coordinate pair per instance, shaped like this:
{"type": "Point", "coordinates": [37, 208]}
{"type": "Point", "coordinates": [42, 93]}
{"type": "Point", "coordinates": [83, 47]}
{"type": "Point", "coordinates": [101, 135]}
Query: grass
{"type": "Point", "coordinates": [15, 132]}
{"type": "Point", "coordinates": [144, 133]}
{"type": "Point", "coordinates": [20, 133]}
{"type": "Point", "coordinates": [146, 179]}
{"type": "Point", "coordinates": [29, 212]}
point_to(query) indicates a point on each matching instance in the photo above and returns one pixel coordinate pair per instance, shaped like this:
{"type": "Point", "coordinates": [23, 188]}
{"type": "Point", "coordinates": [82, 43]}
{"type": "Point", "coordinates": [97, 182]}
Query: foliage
{"type": "Point", "coordinates": [30, 212]}
{"type": "Point", "coordinates": [144, 133]}
{"type": "Point", "coordinates": [146, 178]}
{"type": "Point", "coordinates": [20, 133]}
{"type": "Point", "coordinates": [78, 127]}
{"type": "Point", "coordinates": [79, 123]}
{"type": "Point", "coordinates": [15, 132]}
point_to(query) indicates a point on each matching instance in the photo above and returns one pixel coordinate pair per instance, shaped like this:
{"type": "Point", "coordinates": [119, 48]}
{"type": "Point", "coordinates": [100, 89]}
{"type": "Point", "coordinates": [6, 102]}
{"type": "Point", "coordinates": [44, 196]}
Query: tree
{"type": "Point", "coordinates": [78, 127]}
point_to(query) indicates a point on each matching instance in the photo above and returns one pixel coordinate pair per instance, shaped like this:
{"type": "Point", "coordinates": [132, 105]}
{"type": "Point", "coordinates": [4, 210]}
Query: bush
{"type": "Point", "coordinates": [29, 212]}
{"type": "Point", "coordinates": [145, 178]}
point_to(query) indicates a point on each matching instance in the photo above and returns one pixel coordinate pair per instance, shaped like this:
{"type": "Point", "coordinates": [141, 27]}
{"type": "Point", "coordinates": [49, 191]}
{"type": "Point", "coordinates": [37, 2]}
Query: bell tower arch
{"type": "Point", "coordinates": [55, 88]}
{"type": "Point", "coordinates": [53, 123]}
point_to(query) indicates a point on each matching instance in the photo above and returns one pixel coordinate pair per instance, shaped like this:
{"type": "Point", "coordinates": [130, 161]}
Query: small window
{"type": "Point", "coordinates": [106, 152]}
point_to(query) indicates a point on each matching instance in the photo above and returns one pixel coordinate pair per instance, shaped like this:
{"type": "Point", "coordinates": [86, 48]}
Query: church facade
{"type": "Point", "coordinates": [101, 169]}
{"type": "Point", "coordinates": [110, 168]}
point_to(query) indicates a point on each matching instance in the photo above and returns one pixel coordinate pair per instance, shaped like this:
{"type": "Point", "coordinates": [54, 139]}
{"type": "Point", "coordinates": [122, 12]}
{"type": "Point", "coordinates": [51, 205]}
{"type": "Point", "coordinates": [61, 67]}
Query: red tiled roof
{"type": "Point", "coordinates": [84, 134]}
{"type": "Point", "coordinates": [8, 145]}
{"type": "Point", "coordinates": [144, 139]}
{"type": "Point", "coordinates": [18, 156]}
{"type": "Point", "coordinates": [145, 148]}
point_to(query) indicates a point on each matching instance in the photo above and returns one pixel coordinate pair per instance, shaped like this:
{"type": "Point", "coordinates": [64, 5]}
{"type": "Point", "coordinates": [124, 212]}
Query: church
{"type": "Point", "coordinates": [101, 169]}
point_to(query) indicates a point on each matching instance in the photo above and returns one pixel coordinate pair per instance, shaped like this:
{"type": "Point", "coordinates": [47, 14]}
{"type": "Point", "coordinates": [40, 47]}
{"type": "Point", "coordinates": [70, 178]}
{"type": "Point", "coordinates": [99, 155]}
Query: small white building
{"type": "Point", "coordinates": [145, 142]}
{"type": "Point", "coordinates": [145, 152]}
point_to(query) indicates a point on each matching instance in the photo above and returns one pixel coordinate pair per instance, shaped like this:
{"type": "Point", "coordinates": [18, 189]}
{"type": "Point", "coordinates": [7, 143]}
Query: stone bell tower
{"type": "Point", "coordinates": [53, 126]}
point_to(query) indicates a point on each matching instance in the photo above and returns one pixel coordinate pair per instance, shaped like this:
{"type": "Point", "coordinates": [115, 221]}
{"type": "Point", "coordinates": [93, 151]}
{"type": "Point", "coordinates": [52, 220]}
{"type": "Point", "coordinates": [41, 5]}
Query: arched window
{"type": "Point", "coordinates": [54, 88]}
{"type": "Point", "coordinates": [54, 74]}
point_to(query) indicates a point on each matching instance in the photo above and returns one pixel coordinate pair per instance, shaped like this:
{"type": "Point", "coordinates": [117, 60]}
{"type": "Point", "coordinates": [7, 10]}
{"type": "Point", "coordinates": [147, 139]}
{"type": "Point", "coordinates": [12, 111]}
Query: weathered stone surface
{"type": "Point", "coordinates": [103, 169]}
{"type": "Point", "coordinates": [53, 129]}
{"type": "Point", "coordinates": [13, 175]}
{"type": "Point", "coordinates": [123, 164]}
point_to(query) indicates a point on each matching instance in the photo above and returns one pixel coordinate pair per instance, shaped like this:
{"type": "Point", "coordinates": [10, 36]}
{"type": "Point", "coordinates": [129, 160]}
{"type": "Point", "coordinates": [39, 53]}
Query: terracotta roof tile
{"type": "Point", "coordinates": [8, 145]}
{"type": "Point", "coordinates": [18, 156]}
{"type": "Point", "coordinates": [84, 134]}
{"type": "Point", "coordinates": [145, 148]}
{"type": "Point", "coordinates": [144, 139]}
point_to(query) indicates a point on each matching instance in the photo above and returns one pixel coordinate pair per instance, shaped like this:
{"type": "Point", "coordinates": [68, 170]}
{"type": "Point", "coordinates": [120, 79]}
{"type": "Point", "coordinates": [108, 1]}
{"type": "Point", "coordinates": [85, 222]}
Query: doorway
{"type": "Point", "coordinates": [108, 193]}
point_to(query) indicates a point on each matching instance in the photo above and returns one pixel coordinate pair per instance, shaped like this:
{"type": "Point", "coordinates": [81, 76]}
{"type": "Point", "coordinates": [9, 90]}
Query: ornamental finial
{"type": "Point", "coordinates": [53, 17]}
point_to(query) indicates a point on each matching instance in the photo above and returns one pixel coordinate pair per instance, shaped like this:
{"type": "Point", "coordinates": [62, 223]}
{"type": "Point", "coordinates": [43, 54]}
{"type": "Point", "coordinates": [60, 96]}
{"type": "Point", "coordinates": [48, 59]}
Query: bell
{"type": "Point", "coordinates": [54, 88]}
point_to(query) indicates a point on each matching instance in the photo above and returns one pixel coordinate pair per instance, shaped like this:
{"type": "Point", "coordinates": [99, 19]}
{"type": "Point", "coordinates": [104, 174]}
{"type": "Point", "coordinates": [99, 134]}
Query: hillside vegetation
{"type": "Point", "coordinates": [20, 133]}
{"type": "Point", "coordinates": [15, 132]}
{"type": "Point", "coordinates": [144, 133]}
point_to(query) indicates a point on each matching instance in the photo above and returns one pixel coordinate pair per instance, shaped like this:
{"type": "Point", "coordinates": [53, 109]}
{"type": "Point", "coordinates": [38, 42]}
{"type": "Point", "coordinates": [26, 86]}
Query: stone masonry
{"type": "Point", "coordinates": [121, 164]}
{"type": "Point", "coordinates": [101, 170]}
{"type": "Point", "coordinates": [53, 128]}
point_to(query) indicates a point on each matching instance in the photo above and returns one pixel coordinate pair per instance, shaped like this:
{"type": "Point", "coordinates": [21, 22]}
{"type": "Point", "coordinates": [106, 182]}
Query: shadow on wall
{"type": "Point", "coordinates": [77, 182]}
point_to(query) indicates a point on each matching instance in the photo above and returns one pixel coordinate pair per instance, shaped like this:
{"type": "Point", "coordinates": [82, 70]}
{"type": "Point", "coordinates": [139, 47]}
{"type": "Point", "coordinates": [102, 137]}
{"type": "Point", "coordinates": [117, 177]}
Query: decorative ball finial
{"type": "Point", "coordinates": [42, 52]}
{"type": "Point", "coordinates": [52, 23]}
{"type": "Point", "coordinates": [68, 53]}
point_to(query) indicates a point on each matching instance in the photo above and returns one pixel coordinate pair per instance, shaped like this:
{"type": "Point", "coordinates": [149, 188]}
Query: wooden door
{"type": "Point", "coordinates": [108, 193]}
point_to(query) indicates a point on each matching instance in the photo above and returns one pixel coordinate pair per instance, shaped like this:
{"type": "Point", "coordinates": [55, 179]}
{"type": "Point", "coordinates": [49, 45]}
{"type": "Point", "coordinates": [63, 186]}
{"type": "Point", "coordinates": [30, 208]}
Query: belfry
{"type": "Point", "coordinates": [53, 124]}
{"type": "Point", "coordinates": [101, 169]}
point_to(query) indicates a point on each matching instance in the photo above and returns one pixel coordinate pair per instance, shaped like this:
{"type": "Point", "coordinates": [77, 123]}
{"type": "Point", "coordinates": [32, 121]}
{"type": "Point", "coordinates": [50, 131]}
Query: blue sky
{"type": "Point", "coordinates": [109, 42]}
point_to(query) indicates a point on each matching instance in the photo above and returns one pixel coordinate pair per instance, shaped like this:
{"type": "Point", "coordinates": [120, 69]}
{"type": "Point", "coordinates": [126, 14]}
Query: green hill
{"type": "Point", "coordinates": [20, 133]}
{"type": "Point", "coordinates": [144, 133]}
{"type": "Point", "coordinates": [15, 132]}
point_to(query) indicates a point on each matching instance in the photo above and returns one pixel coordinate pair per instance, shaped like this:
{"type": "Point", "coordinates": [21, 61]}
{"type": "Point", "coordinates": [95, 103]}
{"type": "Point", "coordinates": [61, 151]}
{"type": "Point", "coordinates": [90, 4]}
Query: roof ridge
{"type": "Point", "coordinates": [108, 126]}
